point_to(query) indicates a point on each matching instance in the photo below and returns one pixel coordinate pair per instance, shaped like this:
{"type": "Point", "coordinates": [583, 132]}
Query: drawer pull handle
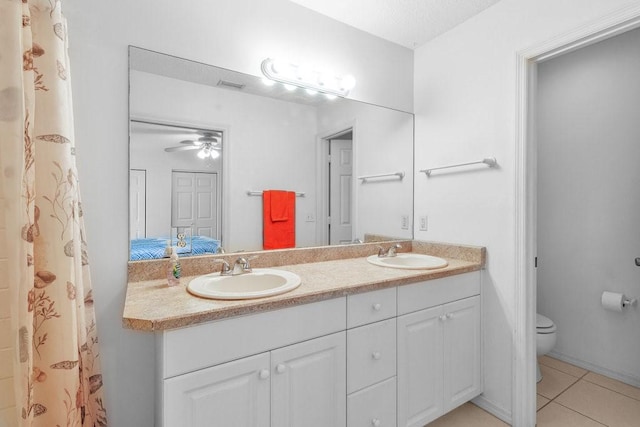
{"type": "Point", "coordinates": [376, 355]}
{"type": "Point", "coordinates": [264, 374]}
{"type": "Point", "coordinates": [375, 422]}
{"type": "Point", "coordinates": [280, 368]}
{"type": "Point", "coordinates": [377, 306]}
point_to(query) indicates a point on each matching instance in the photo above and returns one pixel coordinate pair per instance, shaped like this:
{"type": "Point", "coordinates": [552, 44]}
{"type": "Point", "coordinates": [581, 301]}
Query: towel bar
{"type": "Point", "coordinates": [259, 193]}
{"type": "Point", "coordinates": [382, 175]}
{"type": "Point", "coordinates": [490, 161]}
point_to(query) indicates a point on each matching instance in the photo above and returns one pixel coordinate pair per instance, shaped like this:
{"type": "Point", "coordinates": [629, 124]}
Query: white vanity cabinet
{"type": "Point", "coordinates": [439, 358]}
{"type": "Point", "coordinates": [399, 356]}
{"type": "Point", "coordinates": [252, 375]}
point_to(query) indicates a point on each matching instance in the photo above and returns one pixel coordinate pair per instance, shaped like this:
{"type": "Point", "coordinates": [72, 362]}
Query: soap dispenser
{"type": "Point", "coordinates": [173, 270]}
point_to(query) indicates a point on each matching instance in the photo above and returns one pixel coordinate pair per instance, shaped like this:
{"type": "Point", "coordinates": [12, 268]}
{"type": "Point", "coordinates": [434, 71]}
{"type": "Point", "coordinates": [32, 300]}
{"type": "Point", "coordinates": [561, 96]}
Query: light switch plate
{"type": "Point", "coordinates": [424, 223]}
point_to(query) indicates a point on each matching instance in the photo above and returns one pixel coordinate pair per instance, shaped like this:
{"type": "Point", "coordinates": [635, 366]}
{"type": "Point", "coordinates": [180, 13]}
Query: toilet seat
{"type": "Point", "coordinates": [544, 325]}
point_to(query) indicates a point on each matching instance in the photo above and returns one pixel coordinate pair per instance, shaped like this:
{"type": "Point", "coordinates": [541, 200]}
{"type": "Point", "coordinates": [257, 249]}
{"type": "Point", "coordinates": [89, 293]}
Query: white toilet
{"type": "Point", "coordinates": [545, 338]}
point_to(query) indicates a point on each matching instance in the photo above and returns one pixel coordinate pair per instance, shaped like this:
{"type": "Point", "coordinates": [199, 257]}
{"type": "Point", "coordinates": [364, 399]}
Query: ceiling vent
{"type": "Point", "coordinates": [231, 85]}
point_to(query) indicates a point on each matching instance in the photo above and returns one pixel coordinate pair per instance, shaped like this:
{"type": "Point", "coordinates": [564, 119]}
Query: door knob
{"type": "Point", "coordinates": [638, 262]}
{"type": "Point", "coordinates": [377, 306]}
{"type": "Point", "coordinates": [264, 374]}
{"type": "Point", "coordinates": [375, 422]}
{"type": "Point", "coordinates": [280, 368]}
{"type": "Point", "coordinates": [376, 355]}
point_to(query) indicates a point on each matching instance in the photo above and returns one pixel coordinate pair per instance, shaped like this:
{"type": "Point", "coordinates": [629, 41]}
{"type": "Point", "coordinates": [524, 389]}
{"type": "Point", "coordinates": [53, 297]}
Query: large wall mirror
{"type": "Point", "coordinates": [206, 142]}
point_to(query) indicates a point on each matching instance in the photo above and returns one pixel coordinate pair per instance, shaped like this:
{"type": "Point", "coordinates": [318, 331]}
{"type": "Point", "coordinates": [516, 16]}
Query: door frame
{"type": "Point", "coordinates": [524, 339]}
{"type": "Point", "coordinates": [322, 180]}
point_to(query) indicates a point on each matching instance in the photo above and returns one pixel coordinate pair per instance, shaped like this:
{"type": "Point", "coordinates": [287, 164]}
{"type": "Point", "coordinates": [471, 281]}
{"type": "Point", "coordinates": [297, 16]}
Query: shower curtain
{"type": "Point", "coordinates": [43, 261]}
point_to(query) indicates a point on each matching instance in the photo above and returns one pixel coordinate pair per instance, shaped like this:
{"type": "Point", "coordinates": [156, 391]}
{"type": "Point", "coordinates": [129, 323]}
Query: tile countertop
{"type": "Point", "coordinates": [151, 305]}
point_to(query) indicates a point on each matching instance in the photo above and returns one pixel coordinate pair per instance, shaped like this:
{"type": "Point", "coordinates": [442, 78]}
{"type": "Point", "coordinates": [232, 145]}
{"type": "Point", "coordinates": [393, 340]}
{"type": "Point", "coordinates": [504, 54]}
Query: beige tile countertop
{"type": "Point", "coordinates": [151, 305]}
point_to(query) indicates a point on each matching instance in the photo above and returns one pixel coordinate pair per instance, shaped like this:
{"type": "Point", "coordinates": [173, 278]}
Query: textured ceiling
{"type": "Point", "coordinates": [409, 23]}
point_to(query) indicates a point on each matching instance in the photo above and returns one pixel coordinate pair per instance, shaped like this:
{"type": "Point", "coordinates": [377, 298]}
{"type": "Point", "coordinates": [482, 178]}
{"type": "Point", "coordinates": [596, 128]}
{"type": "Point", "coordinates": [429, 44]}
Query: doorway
{"type": "Point", "coordinates": [340, 223]}
{"type": "Point", "coordinates": [337, 204]}
{"type": "Point", "coordinates": [524, 364]}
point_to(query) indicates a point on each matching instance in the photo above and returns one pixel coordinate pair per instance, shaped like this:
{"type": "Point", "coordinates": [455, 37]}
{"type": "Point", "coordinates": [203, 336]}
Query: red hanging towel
{"type": "Point", "coordinates": [279, 219]}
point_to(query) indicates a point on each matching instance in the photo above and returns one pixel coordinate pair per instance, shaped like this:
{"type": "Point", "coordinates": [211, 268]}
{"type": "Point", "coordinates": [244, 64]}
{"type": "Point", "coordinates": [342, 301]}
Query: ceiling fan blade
{"type": "Point", "coordinates": [183, 148]}
{"type": "Point", "coordinates": [191, 141]}
{"type": "Point", "coordinates": [212, 134]}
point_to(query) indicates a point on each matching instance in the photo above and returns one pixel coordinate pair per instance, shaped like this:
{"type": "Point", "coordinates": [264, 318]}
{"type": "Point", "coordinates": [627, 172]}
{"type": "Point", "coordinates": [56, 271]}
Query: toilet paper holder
{"type": "Point", "coordinates": [629, 302]}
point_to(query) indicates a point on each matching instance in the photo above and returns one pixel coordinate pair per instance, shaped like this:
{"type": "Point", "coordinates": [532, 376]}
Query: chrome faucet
{"type": "Point", "coordinates": [390, 252]}
{"type": "Point", "coordinates": [242, 266]}
{"type": "Point", "coordinates": [226, 269]}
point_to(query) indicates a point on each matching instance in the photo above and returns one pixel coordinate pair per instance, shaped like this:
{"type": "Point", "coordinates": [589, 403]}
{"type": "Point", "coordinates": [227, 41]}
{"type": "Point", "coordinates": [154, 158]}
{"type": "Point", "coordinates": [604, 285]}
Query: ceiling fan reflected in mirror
{"type": "Point", "coordinates": [209, 145]}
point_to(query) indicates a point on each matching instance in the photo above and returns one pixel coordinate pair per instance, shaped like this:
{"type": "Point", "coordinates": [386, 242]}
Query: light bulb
{"type": "Point", "coordinates": [311, 91]}
{"type": "Point", "coordinates": [330, 96]}
{"type": "Point", "coordinates": [202, 154]}
{"type": "Point", "coordinates": [289, 87]}
{"type": "Point", "coordinates": [278, 66]}
{"type": "Point", "coordinates": [347, 83]}
{"type": "Point", "coordinates": [214, 154]}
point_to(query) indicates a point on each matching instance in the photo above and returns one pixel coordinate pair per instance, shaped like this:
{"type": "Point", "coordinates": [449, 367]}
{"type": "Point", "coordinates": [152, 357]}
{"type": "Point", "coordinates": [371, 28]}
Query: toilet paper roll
{"type": "Point", "coordinates": [613, 301]}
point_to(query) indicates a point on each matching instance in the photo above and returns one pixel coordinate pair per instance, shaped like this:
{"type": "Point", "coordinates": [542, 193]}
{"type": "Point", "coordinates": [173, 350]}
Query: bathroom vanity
{"type": "Point", "coordinates": [354, 345]}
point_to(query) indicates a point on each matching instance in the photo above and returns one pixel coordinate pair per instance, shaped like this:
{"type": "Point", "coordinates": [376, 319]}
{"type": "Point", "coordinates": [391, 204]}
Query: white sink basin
{"type": "Point", "coordinates": [409, 261]}
{"type": "Point", "coordinates": [262, 282]}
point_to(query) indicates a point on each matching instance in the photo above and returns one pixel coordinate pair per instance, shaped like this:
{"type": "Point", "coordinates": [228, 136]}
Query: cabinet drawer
{"type": "Point", "coordinates": [419, 296]}
{"type": "Point", "coordinates": [371, 354]}
{"type": "Point", "coordinates": [373, 406]}
{"type": "Point", "coordinates": [371, 307]}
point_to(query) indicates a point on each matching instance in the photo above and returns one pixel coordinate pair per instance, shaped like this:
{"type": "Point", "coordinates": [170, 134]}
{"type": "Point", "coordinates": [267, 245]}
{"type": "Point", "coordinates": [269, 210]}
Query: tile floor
{"type": "Point", "coordinates": [568, 396]}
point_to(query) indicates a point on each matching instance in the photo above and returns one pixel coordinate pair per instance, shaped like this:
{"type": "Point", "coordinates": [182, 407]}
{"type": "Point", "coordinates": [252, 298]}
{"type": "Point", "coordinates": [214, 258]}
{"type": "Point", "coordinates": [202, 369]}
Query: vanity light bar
{"type": "Point", "coordinates": [312, 80]}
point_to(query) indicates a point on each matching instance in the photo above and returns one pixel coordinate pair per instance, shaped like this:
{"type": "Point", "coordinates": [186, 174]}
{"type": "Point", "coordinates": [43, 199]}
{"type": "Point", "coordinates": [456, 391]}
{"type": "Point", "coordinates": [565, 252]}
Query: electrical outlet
{"type": "Point", "coordinates": [424, 223]}
{"type": "Point", "coordinates": [310, 218]}
{"type": "Point", "coordinates": [404, 223]}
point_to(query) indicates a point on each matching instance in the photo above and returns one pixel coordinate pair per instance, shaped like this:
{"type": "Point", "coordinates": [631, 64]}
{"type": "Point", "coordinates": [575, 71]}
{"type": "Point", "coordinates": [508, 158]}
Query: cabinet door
{"type": "Point", "coordinates": [420, 380]}
{"type": "Point", "coordinates": [308, 383]}
{"type": "Point", "coordinates": [234, 394]}
{"type": "Point", "coordinates": [461, 352]}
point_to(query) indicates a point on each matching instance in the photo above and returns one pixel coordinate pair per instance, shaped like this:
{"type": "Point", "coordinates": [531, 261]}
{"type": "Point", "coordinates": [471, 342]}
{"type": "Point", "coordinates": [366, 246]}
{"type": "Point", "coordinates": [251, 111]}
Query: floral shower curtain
{"type": "Point", "coordinates": [57, 376]}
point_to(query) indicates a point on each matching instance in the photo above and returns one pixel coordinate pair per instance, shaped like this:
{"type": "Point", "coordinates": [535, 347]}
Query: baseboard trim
{"type": "Point", "coordinates": [493, 409]}
{"type": "Point", "coordinates": [627, 379]}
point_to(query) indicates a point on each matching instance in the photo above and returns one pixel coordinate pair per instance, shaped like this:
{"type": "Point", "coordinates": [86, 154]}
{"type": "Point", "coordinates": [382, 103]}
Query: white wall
{"type": "Point", "coordinates": [465, 98]}
{"type": "Point", "coordinates": [232, 34]}
{"type": "Point", "coordinates": [588, 203]}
